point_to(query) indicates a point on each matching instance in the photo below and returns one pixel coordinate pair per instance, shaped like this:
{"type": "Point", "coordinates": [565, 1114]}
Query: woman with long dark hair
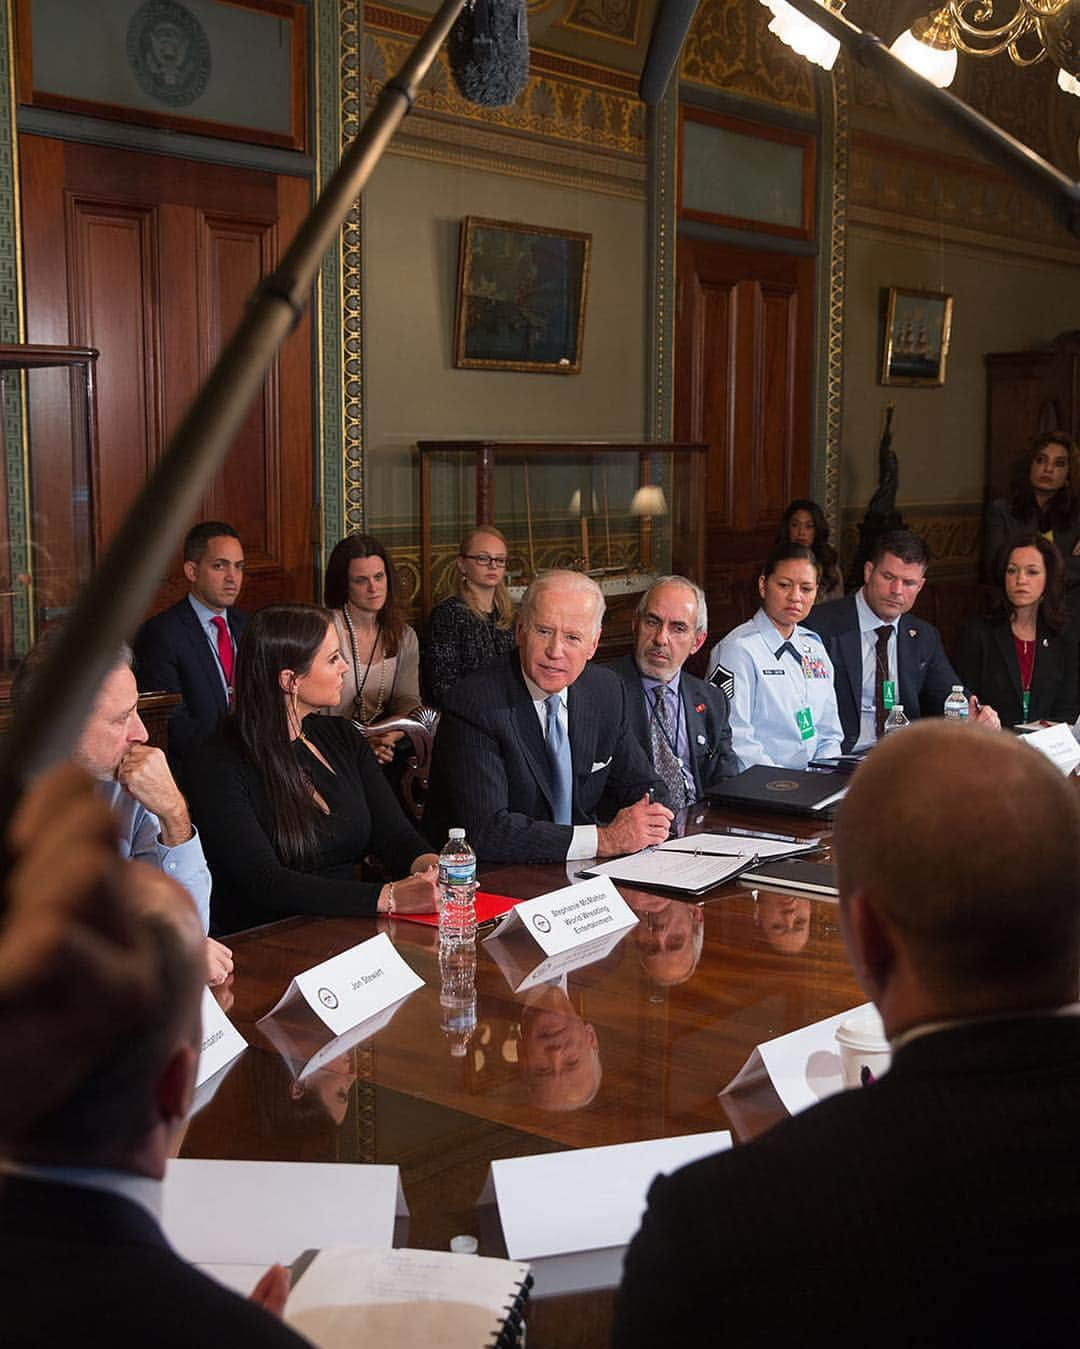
{"type": "Point", "coordinates": [475, 625]}
{"type": "Point", "coordinates": [382, 655]}
{"type": "Point", "coordinates": [287, 802]}
{"type": "Point", "coordinates": [804, 523]}
{"type": "Point", "coordinates": [1043, 500]}
{"type": "Point", "coordinates": [1018, 660]}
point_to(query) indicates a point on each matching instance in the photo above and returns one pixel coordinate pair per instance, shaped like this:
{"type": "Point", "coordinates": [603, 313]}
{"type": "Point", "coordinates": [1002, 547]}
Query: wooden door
{"type": "Point", "coordinates": [744, 351]}
{"type": "Point", "coordinates": [150, 259]}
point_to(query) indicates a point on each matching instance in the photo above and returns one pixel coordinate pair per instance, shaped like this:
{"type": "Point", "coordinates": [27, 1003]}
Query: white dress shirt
{"type": "Point", "coordinates": [584, 842]}
{"type": "Point", "coordinates": [868, 626]}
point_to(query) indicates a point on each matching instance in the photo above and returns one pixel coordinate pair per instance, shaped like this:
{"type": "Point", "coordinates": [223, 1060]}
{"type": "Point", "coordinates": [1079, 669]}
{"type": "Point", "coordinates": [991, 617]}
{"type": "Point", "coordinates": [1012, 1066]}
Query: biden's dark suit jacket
{"type": "Point", "coordinates": [986, 660]}
{"type": "Point", "coordinates": [490, 772]}
{"type": "Point", "coordinates": [708, 731]}
{"type": "Point", "coordinates": [939, 1206]}
{"type": "Point", "coordinates": [80, 1266]}
{"type": "Point", "coordinates": [925, 675]}
{"type": "Point", "coordinates": [172, 653]}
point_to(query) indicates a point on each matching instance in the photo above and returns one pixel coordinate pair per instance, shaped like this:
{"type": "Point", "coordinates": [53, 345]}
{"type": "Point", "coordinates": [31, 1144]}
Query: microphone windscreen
{"type": "Point", "coordinates": [673, 20]}
{"type": "Point", "coordinates": [488, 50]}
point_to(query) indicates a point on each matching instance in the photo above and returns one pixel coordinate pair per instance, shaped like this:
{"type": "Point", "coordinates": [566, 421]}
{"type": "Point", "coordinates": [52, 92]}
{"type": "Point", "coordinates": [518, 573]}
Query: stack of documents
{"type": "Point", "coordinates": [698, 863]}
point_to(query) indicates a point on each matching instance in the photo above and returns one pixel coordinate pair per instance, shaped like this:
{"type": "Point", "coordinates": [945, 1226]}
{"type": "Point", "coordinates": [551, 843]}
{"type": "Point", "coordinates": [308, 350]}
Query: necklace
{"type": "Point", "coordinates": [361, 684]}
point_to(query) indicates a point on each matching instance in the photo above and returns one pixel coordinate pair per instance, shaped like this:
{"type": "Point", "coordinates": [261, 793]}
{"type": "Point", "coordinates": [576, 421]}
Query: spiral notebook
{"type": "Point", "coordinates": [347, 1296]}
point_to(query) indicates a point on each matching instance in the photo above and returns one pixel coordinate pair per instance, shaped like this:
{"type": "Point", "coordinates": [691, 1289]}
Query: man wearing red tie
{"type": "Point", "coordinates": [190, 649]}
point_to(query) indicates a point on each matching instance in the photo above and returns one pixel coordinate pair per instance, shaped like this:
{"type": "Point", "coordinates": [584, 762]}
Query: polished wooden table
{"type": "Point", "coordinates": [637, 1046]}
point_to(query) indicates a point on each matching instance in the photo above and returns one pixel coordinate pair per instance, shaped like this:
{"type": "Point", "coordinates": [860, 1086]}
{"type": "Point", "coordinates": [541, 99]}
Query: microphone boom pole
{"type": "Point", "coordinates": [122, 585]}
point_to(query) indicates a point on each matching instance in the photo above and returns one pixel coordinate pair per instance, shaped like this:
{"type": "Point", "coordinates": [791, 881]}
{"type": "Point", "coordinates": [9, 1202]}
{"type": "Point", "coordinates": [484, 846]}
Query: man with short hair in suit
{"type": "Point", "coordinates": [534, 756]}
{"type": "Point", "coordinates": [939, 1205]}
{"type": "Point", "coordinates": [681, 722]}
{"type": "Point", "coordinates": [880, 654]}
{"type": "Point", "coordinates": [190, 648]}
{"type": "Point", "coordinates": [82, 1255]}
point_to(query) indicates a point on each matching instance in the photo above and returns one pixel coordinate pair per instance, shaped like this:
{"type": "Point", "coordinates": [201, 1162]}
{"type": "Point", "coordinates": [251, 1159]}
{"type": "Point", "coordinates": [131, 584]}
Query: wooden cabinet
{"type": "Point", "coordinates": [1028, 392]}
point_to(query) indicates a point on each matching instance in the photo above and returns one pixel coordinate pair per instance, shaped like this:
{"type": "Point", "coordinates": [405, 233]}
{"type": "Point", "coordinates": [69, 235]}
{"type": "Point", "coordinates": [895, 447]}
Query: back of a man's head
{"type": "Point", "coordinates": [968, 843]}
{"type": "Point", "coordinates": [108, 1117]}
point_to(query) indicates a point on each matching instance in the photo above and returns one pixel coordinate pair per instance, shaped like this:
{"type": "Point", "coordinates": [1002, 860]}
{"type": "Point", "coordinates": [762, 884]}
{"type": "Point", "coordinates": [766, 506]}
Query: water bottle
{"type": "Point", "coordinates": [896, 721]}
{"type": "Point", "coordinates": [457, 996]}
{"type": "Point", "coordinates": [956, 705]}
{"type": "Point", "coordinates": [457, 887]}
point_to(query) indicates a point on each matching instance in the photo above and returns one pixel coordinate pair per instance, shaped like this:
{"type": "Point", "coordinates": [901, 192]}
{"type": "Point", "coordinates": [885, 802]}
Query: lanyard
{"type": "Point", "coordinates": [654, 711]}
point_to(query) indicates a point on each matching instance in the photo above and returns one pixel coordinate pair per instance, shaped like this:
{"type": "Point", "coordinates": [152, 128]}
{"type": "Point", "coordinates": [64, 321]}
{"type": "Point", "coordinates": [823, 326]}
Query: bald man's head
{"type": "Point", "coordinates": [968, 844]}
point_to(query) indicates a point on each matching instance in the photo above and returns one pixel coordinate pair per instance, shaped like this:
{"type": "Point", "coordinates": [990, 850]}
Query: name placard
{"type": "Point", "coordinates": [221, 1041]}
{"type": "Point", "coordinates": [358, 983]}
{"type": "Point", "coordinates": [572, 916]}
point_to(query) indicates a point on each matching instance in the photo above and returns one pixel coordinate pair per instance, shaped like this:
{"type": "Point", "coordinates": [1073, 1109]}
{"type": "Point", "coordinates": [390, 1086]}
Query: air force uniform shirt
{"type": "Point", "coordinates": [783, 710]}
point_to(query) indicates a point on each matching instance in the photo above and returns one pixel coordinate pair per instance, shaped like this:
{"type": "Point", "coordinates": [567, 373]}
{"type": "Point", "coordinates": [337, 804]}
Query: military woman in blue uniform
{"type": "Point", "coordinates": [783, 707]}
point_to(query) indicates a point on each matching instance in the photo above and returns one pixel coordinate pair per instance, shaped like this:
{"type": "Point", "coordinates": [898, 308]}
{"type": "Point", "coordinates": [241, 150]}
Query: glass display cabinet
{"type": "Point", "coordinates": [49, 426]}
{"type": "Point", "coordinates": [624, 512]}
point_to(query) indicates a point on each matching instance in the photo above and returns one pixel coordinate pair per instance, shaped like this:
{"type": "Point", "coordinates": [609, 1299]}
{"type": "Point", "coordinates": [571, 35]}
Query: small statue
{"type": "Point", "coordinates": [881, 514]}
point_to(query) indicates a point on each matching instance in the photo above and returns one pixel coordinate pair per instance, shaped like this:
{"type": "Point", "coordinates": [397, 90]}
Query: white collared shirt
{"type": "Point", "coordinates": [205, 615]}
{"type": "Point", "coordinates": [585, 841]}
{"type": "Point", "coordinates": [868, 626]}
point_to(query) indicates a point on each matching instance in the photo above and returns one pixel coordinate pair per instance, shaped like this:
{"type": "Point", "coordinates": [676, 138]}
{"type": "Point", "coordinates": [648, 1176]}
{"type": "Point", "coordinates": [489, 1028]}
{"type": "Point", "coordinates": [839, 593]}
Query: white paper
{"type": "Point", "coordinates": [571, 917]}
{"type": "Point", "coordinates": [685, 870]}
{"type": "Point", "coordinates": [761, 848]}
{"type": "Point", "coordinates": [378, 1298]}
{"type": "Point", "coordinates": [1058, 743]}
{"type": "Point", "coordinates": [262, 1213]}
{"type": "Point", "coordinates": [350, 987]}
{"type": "Point", "coordinates": [587, 1198]}
{"type": "Point", "coordinates": [221, 1041]}
{"type": "Point", "coordinates": [804, 1065]}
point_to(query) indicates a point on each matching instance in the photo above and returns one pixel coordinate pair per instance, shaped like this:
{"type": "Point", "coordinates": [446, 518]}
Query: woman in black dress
{"type": "Point", "coordinates": [1020, 660]}
{"type": "Point", "coordinates": [287, 802]}
{"type": "Point", "coordinates": [1043, 500]}
{"type": "Point", "coordinates": [475, 625]}
{"type": "Point", "coordinates": [804, 523]}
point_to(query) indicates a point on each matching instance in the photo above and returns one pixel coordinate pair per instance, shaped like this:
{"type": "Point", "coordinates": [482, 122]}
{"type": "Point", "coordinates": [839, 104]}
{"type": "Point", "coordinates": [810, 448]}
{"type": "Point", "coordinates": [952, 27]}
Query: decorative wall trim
{"type": "Point", "coordinates": [729, 47]}
{"type": "Point", "coordinates": [329, 408]}
{"type": "Point", "coordinates": [570, 103]}
{"type": "Point", "coordinates": [351, 332]}
{"type": "Point", "coordinates": [12, 329]}
{"type": "Point", "coordinates": [609, 20]}
{"type": "Point", "coordinates": [831, 309]}
{"type": "Point", "coordinates": [910, 190]}
{"type": "Point", "coordinates": [661, 234]}
{"type": "Point", "coordinates": [952, 531]}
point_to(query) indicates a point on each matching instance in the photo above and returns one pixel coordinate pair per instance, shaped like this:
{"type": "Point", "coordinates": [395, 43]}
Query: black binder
{"type": "Point", "coordinates": [788, 791]}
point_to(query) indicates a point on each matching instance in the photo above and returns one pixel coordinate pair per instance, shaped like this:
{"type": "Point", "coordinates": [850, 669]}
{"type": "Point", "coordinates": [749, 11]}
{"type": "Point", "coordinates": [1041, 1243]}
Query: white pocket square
{"type": "Point", "coordinates": [597, 766]}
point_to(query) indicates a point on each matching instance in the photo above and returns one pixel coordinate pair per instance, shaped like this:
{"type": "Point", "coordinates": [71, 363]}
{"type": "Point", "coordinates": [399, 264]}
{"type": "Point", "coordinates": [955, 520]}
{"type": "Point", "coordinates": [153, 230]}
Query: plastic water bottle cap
{"type": "Point", "coordinates": [457, 833]}
{"type": "Point", "coordinates": [464, 1245]}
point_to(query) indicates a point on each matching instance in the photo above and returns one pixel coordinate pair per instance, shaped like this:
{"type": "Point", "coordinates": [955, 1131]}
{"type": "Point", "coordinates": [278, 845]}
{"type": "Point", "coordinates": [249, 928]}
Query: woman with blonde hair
{"type": "Point", "coordinates": [473, 627]}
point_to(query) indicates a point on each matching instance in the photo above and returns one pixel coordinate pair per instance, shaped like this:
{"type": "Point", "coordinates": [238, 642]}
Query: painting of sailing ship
{"type": "Point", "coordinates": [916, 334]}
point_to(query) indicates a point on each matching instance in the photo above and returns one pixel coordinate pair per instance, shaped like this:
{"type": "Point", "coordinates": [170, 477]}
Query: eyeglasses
{"type": "Point", "coordinates": [485, 559]}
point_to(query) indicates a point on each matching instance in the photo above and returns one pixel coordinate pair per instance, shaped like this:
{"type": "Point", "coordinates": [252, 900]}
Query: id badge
{"type": "Point", "coordinates": [888, 693]}
{"type": "Point", "coordinates": [804, 720]}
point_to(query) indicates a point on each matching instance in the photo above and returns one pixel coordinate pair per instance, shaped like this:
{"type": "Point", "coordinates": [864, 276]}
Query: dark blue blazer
{"type": "Point", "coordinates": [986, 659]}
{"type": "Point", "coordinates": [86, 1267]}
{"type": "Point", "coordinates": [490, 770]}
{"type": "Point", "coordinates": [925, 675]}
{"type": "Point", "coordinates": [172, 653]}
{"type": "Point", "coordinates": [708, 731]}
{"type": "Point", "coordinates": [939, 1206]}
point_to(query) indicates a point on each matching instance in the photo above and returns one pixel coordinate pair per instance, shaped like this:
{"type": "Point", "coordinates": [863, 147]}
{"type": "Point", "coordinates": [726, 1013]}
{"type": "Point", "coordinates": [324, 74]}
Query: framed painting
{"type": "Point", "coordinates": [521, 297]}
{"type": "Point", "coordinates": [915, 336]}
{"type": "Point", "coordinates": [178, 65]}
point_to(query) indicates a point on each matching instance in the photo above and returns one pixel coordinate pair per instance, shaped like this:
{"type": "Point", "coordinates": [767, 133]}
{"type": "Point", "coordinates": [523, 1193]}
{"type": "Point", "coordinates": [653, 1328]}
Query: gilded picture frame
{"type": "Point", "coordinates": [521, 297]}
{"type": "Point", "coordinates": [915, 337]}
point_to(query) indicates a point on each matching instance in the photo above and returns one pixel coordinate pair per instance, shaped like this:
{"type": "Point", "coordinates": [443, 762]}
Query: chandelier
{"type": "Point", "coordinates": [1030, 31]}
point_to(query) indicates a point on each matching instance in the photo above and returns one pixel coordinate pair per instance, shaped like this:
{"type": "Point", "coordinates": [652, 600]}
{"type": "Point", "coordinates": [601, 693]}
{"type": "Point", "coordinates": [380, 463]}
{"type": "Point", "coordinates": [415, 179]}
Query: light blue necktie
{"type": "Point", "coordinates": [558, 750]}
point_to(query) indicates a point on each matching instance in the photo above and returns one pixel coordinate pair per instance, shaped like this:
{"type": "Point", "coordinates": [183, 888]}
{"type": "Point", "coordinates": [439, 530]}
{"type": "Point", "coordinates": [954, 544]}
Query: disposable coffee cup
{"type": "Point", "coordinates": [864, 1051]}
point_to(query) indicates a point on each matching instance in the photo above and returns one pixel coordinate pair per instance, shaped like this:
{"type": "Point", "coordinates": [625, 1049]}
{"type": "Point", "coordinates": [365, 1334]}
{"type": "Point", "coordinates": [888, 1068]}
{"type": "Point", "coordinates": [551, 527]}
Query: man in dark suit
{"type": "Point", "coordinates": [939, 1205]}
{"type": "Point", "coordinates": [81, 1252]}
{"type": "Point", "coordinates": [880, 654]}
{"type": "Point", "coordinates": [533, 755]}
{"type": "Point", "coordinates": [680, 721]}
{"type": "Point", "coordinates": [190, 648]}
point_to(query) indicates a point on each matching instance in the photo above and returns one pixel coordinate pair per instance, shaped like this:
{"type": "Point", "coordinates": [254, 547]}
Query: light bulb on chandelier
{"type": "Point", "coordinates": [802, 34]}
{"type": "Point", "coordinates": [927, 47]}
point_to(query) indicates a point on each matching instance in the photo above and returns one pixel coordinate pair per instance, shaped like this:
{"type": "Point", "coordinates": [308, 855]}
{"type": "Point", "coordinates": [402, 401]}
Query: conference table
{"type": "Point", "coordinates": [637, 1045]}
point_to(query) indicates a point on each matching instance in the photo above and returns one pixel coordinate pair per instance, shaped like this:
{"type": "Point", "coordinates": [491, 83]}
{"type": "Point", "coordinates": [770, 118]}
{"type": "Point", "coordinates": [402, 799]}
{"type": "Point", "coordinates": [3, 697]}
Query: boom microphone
{"type": "Point", "coordinates": [488, 51]}
{"type": "Point", "coordinates": [672, 23]}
